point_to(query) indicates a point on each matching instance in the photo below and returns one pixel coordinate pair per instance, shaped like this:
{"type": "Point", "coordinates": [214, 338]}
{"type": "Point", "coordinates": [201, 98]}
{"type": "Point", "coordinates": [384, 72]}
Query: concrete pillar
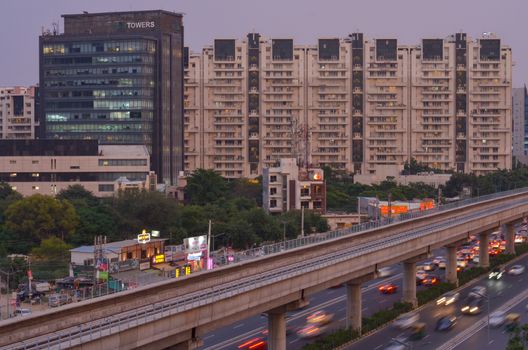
{"type": "Point", "coordinates": [353, 306]}
{"type": "Point", "coordinates": [451, 265]}
{"type": "Point", "coordinates": [409, 283]}
{"type": "Point", "coordinates": [483, 249]}
{"type": "Point", "coordinates": [277, 329]}
{"type": "Point", "coordinates": [510, 238]}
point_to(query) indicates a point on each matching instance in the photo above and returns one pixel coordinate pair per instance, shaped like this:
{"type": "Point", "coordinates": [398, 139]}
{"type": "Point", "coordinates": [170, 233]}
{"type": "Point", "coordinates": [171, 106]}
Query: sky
{"type": "Point", "coordinates": [21, 23]}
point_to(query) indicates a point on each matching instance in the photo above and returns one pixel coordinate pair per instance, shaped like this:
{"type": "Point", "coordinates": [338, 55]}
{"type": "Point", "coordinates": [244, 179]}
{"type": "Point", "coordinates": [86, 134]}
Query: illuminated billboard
{"type": "Point", "coordinates": [195, 244]}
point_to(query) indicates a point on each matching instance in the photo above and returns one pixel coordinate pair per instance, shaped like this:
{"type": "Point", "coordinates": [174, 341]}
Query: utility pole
{"type": "Point", "coordinates": [302, 221]}
{"type": "Point", "coordinates": [390, 205]}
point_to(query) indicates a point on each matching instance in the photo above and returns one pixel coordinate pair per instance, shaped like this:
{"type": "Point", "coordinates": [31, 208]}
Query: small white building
{"type": "Point", "coordinates": [289, 187]}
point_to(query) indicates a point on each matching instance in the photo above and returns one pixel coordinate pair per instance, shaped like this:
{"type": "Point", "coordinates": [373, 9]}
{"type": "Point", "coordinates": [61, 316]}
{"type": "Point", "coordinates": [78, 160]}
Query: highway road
{"type": "Point", "coordinates": [469, 332]}
{"type": "Point", "coordinates": [331, 300]}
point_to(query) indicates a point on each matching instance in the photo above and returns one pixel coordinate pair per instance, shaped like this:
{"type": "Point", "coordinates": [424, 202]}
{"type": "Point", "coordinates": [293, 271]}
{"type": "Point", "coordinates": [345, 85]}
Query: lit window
{"type": "Point", "coordinates": [35, 187]}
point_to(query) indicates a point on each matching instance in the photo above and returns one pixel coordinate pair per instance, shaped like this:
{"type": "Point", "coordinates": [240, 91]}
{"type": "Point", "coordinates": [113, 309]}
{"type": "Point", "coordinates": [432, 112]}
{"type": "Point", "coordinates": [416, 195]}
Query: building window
{"type": "Point", "coordinates": [305, 205]}
{"type": "Point", "coordinates": [129, 255]}
{"type": "Point", "coordinates": [106, 188]}
{"type": "Point", "coordinates": [317, 205]}
{"type": "Point", "coordinates": [305, 191]}
{"type": "Point", "coordinates": [273, 203]}
{"type": "Point", "coordinates": [12, 162]}
{"type": "Point", "coordinates": [34, 162]}
{"type": "Point", "coordinates": [273, 191]}
{"type": "Point", "coordinates": [34, 187]}
{"type": "Point", "coordinates": [273, 178]}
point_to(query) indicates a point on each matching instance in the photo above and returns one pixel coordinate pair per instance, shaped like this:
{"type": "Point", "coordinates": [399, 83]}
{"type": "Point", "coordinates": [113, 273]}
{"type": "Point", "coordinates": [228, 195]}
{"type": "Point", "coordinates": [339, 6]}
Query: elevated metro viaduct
{"type": "Point", "coordinates": [176, 313]}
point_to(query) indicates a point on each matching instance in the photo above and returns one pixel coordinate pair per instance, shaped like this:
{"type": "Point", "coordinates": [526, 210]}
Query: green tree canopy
{"type": "Point", "coordinates": [37, 217]}
{"type": "Point", "coordinates": [205, 186]}
{"type": "Point", "coordinates": [52, 249]}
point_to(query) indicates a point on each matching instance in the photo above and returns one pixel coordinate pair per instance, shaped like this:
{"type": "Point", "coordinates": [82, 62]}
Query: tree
{"type": "Point", "coordinates": [77, 193]}
{"type": "Point", "coordinates": [52, 249]}
{"type": "Point", "coordinates": [205, 186]}
{"type": "Point", "coordinates": [37, 217]}
{"type": "Point", "coordinates": [7, 196]}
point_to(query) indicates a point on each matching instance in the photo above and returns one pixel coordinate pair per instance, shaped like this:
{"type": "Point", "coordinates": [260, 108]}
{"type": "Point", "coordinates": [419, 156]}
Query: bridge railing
{"type": "Point", "coordinates": [325, 236]}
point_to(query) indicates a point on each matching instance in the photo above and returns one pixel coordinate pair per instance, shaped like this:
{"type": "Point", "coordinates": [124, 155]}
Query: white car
{"type": "Point", "coordinates": [497, 318]}
{"type": "Point", "coordinates": [22, 312]}
{"type": "Point", "coordinates": [421, 274]}
{"type": "Point", "coordinates": [442, 264]}
{"type": "Point", "coordinates": [437, 260]}
{"type": "Point", "coordinates": [386, 271]}
{"type": "Point", "coordinates": [407, 320]}
{"type": "Point", "coordinates": [516, 270]}
{"type": "Point", "coordinates": [461, 262]}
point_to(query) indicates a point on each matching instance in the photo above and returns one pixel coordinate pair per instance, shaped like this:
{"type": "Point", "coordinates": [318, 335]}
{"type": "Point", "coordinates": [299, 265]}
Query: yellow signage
{"type": "Point", "coordinates": [143, 237]}
{"type": "Point", "coordinates": [158, 259]}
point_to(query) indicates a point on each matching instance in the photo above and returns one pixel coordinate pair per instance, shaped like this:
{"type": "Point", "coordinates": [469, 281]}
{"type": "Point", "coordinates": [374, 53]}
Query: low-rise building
{"type": "Point", "coordinates": [17, 112]}
{"type": "Point", "coordinates": [48, 166]}
{"type": "Point", "coordinates": [288, 187]}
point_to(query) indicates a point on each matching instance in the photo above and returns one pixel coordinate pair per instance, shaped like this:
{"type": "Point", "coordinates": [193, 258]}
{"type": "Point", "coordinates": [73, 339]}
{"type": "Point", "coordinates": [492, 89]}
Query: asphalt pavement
{"type": "Point", "coordinates": [331, 301]}
{"type": "Point", "coordinates": [470, 331]}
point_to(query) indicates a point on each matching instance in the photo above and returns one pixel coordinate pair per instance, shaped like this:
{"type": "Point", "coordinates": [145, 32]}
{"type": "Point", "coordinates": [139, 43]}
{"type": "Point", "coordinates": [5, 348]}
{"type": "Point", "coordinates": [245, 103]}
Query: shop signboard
{"type": "Point", "coordinates": [130, 264]}
{"type": "Point", "coordinates": [158, 259]}
{"type": "Point", "coordinates": [143, 237]}
{"type": "Point", "coordinates": [168, 256]}
{"type": "Point", "coordinates": [194, 256]}
{"type": "Point", "coordinates": [144, 265]}
{"type": "Point", "coordinates": [195, 244]}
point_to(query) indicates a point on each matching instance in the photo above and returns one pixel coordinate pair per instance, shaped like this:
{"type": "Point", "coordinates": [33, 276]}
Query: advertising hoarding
{"type": "Point", "coordinates": [195, 244]}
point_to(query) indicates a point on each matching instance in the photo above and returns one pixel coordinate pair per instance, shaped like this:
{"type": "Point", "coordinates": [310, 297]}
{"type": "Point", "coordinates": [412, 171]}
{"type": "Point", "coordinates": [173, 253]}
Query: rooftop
{"type": "Point", "coordinates": [123, 150]}
{"type": "Point", "coordinates": [112, 247]}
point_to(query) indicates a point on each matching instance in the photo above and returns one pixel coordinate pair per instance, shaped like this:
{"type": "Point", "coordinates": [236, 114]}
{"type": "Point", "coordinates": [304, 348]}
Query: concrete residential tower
{"type": "Point", "coordinates": [360, 105]}
{"type": "Point", "coordinates": [117, 77]}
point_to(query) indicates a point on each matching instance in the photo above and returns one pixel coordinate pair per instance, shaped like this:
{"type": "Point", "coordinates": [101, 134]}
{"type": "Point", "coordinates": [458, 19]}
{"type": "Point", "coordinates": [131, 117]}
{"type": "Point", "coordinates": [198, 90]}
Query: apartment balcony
{"type": "Point", "coordinates": [497, 84]}
{"type": "Point", "coordinates": [228, 92]}
{"type": "Point", "coordinates": [253, 67]}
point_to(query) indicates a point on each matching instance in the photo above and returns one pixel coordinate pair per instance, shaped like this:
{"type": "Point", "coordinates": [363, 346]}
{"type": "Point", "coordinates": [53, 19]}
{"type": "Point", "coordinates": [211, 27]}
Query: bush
{"type": "Point", "coordinates": [433, 292]}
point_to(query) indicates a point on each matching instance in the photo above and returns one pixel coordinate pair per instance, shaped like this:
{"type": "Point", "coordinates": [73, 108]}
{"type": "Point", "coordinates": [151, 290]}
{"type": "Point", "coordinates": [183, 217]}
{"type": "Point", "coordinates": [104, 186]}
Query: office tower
{"type": "Point", "coordinates": [117, 77]}
{"type": "Point", "coordinates": [358, 105]}
{"type": "Point", "coordinates": [17, 112]}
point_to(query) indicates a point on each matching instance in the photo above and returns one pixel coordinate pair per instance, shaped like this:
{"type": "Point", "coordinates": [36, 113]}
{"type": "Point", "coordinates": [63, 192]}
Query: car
{"type": "Point", "coordinates": [406, 320]}
{"type": "Point", "coordinates": [319, 318]}
{"type": "Point", "coordinates": [22, 312]}
{"type": "Point", "coordinates": [472, 306]}
{"type": "Point", "coordinates": [516, 270]}
{"type": "Point", "coordinates": [448, 298]}
{"type": "Point", "coordinates": [55, 300]}
{"type": "Point", "coordinates": [388, 288]}
{"type": "Point", "coordinates": [310, 331]}
{"type": "Point", "coordinates": [428, 266]}
{"type": "Point", "coordinates": [445, 323]}
{"type": "Point", "coordinates": [430, 280]}
{"type": "Point", "coordinates": [461, 262]}
{"type": "Point", "coordinates": [437, 260]}
{"type": "Point", "coordinates": [254, 344]}
{"type": "Point", "coordinates": [386, 271]}
{"type": "Point", "coordinates": [421, 274]}
{"type": "Point", "coordinates": [476, 258]}
{"type": "Point", "coordinates": [496, 273]}
{"type": "Point", "coordinates": [497, 318]}
{"type": "Point", "coordinates": [442, 264]}
{"type": "Point", "coordinates": [479, 291]}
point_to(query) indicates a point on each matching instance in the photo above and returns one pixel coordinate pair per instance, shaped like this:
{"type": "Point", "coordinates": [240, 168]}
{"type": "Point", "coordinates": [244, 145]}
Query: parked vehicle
{"type": "Point", "coordinates": [22, 312]}
{"type": "Point", "coordinates": [55, 300]}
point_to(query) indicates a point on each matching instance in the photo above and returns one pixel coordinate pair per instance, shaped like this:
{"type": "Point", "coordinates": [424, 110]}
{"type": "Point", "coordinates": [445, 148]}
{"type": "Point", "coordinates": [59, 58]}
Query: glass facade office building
{"type": "Point", "coordinates": [117, 78]}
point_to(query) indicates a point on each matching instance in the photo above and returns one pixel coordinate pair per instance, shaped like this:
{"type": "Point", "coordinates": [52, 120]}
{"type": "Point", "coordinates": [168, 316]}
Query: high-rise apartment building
{"type": "Point", "coordinates": [118, 78]}
{"type": "Point", "coordinates": [353, 104]}
{"type": "Point", "coordinates": [520, 124]}
{"type": "Point", "coordinates": [18, 119]}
